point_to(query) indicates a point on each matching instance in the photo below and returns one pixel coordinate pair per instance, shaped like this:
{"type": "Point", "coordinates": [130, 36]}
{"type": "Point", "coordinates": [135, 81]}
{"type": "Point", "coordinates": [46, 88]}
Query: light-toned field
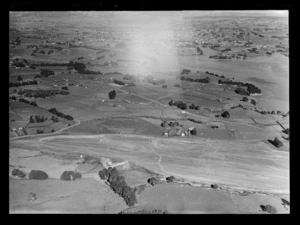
{"type": "Point", "coordinates": [246, 164]}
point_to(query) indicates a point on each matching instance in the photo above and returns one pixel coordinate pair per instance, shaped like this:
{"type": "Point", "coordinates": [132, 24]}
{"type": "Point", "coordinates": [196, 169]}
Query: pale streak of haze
{"type": "Point", "coordinates": [150, 38]}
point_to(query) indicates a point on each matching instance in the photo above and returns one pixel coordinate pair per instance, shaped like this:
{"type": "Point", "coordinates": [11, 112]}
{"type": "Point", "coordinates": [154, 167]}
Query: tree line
{"type": "Point", "coordinates": [198, 80]}
{"type": "Point", "coordinates": [41, 93]}
{"type": "Point", "coordinates": [22, 83]}
{"type": "Point", "coordinates": [60, 114]}
{"type": "Point", "coordinates": [119, 185]}
{"type": "Point", "coordinates": [251, 88]}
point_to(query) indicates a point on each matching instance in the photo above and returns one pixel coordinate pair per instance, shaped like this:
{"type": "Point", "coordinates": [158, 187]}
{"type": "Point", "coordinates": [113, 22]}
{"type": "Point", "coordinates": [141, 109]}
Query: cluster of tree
{"type": "Point", "coordinates": [241, 91]}
{"type": "Point", "coordinates": [214, 74]}
{"type": "Point", "coordinates": [130, 77]}
{"type": "Point", "coordinates": [112, 94]}
{"type": "Point", "coordinates": [199, 51]}
{"type": "Point", "coordinates": [185, 71]}
{"type": "Point", "coordinates": [251, 88]}
{"type": "Point", "coordinates": [245, 99]}
{"type": "Point", "coordinates": [88, 72]}
{"type": "Point", "coordinates": [22, 83]}
{"type": "Point", "coordinates": [199, 80]}
{"type": "Point", "coordinates": [46, 72]}
{"type": "Point", "coordinates": [192, 106]}
{"type": "Point", "coordinates": [263, 112]}
{"type": "Point", "coordinates": [225, 114]}
{"type": "Point", "coordinates": [20, 62]}
{"type": "Point", "coordinates": [119, 185]}
{"type": "Point", "coordinates": [52, 47]}
{"type": "Point", "coordinates": [41, 93]}
{"type": "Point", "coordinates": [170, 179]}
{"type": "Point", "coordinates": [153, 181]}
{"type": "Point", "coordinates": [150, 79]}
{"type": "Point", "coordinates": [118, 82]}
{"type": "Point", "coordinates": [51, 64]}
{"type": "Point", "coordinates": [170, 123]}
{"type": "Point", "coordinates": [178, 104]}
{"type": "Point", "coordinates": [226, 50]}
{"type": "Point", "coordinates": [60, 114]}
{"type": "Point", "coordinates": [195, 121]}
{"type": "Point", "coordinates": [54, 119]}
{"type": "Point", "coordinates": [37, 175]}
{"type": "Point", "coordinates": [37, 119]}
{"type": "Point", "coordinates": [70, 175]}
{"type": "Point", "coordinates": [269, 209]}
{"type": "Point", "coordinates": [28, 102]}
{"type": "Point", "coordinates": [18, 173]}
{"type": "Point", "coordinates": [38, 131]}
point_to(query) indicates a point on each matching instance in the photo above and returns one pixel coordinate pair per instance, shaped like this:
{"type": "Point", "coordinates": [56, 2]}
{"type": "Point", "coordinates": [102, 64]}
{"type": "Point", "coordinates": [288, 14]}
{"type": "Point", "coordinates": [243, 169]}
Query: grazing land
{"type": "Point", "coordinates": [196, 96]}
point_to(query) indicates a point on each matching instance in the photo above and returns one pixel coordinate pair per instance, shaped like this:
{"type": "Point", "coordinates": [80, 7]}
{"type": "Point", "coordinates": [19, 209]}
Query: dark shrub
{"type": "Point", "coordinates": [225, 114]}
{"type": "Point", "coordinates": [253, 102]}
{"type": "Point", "coordinates": [153, 181]}
{"type": "Point", "coordinates": [37, 175]}
{"type": "Point", "coordinates": [113, 174]}
{"type": "Point", "coordinates": [171, 103]}
{"type": "Point", "coordinates": [245, 99]}
{"type": "Point", "coordinates": [19, 78]}
{"type": "Point", "coordinates": [112, 94]}
{"type": "Point", "coordinates": [277, 143]}
{"type": "Point", "coordinates": [176, 85]}
{"type": "Point", "coordinates": [46, 73]}
{"type": "Point", "coordinates": [214, 186]}
{"type": "Point", "coordinates": [170, 179]}
{"type": "Point", "coordinates": [18, 173]}
{"type": "Point", "coordinates": [70, 175]}
{"type": "Point", "coordinates": [103, 174]}
{"type": "Point", "coordinates": [64, 88]}
{"type": "Point", "coordinates": [164, 86]}
{"type": "Point", "coordinates": [194, 131]}
{"type": "Point", "coordinates": [269, 209]}
{"type": "Point", "coordinates": [128, 194]}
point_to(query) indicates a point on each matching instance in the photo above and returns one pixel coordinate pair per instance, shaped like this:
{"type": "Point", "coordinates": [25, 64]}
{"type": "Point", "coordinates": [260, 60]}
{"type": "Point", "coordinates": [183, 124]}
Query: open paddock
{"type": "Point", "coordinates": [248, 164]}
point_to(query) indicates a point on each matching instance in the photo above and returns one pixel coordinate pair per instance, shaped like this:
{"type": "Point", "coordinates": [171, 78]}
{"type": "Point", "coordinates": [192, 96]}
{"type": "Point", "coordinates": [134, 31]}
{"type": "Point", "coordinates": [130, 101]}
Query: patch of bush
{"type": "Point", "coordinates": [153, 181]}
{"type": "Point", "coordinates": [214, 186]}
{"type": "Point", "coordinates": [118, 82]}
{"type": "Point", "coordinates": [170, 179]}
{"type": "Point", "coordinates": [176, 85]}
{"type": "Point", "coordinates": [225, 114]}
{"type": "Point", "coordinates": [38, 175]}
{"type": "Point", "coordinates": [112, 94]}
{"type": "Point", "coordinates": [46, 73]}
{"type": "Point", "coordinates": [277, 143]}
{"type": "Point", "coordinates": [269, 209]}
{"type": "Point", "coordinates": [245, 99]}
{"type": "Point", "coordinates": [164, 86]}
{"type": "Point", "coordinates": [70, 175]}
{"type": "Point", "coordinates": [253, 102]}
{"type": "Point", "coordinates": [60, 114]}
{"type": "Point", "coordinates": [38, 131]}
{"type": "Point", "coordinates": [118, 185]}
{"type": "Point", "coordinates": [18, 173]}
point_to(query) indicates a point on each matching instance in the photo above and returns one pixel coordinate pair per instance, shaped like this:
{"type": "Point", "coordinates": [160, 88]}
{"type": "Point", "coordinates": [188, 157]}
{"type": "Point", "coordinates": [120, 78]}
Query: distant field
{"type": "Point", "coordinates": [247, 164]}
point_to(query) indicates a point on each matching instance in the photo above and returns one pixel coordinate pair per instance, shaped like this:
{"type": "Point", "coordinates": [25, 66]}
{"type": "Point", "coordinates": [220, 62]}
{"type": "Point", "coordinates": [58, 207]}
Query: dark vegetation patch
{"type": "Point", "coordinates": [269, 209]}
{"type": "Point", "coordinates": [276, 142]}
{"type": "Point", "coordinates": [18, 173]}
{"type": "Point", "coordinates": [70, 175]}
{"type": "Point", "coordinates": [42, 93]}
{"type": "Point", "coordinates": [153, 181]}
{"type": "Point", "coordinates": [119, 185]}
{"type": "Point", "coordinates": [60, 114]}
{"type": "Point", "coordinates": [38, 175]}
